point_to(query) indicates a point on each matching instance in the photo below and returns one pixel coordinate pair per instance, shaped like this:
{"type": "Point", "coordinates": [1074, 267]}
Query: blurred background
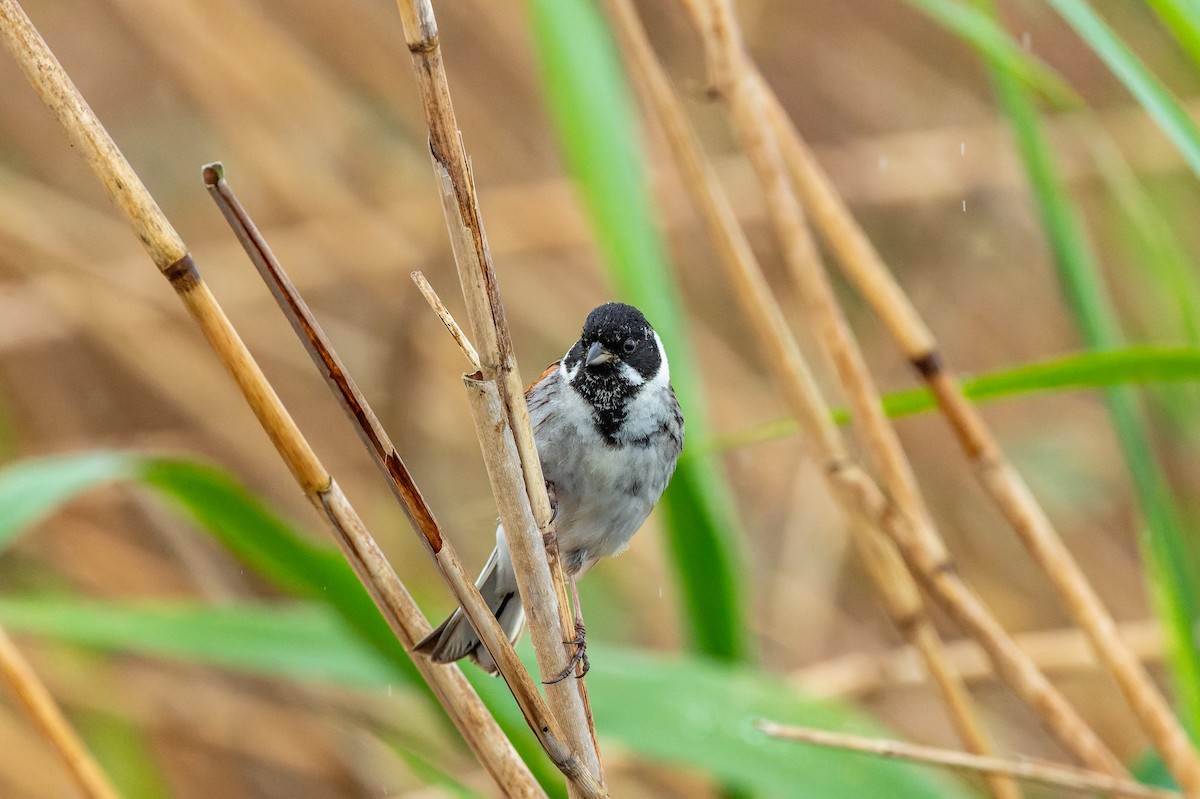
{"type": "Point", "coordinates": [313, 109]}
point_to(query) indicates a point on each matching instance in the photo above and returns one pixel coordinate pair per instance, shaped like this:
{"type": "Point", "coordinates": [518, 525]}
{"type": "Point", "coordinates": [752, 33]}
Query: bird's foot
{"type": "Point", "coordinates": [553, 496]}
{"type": "Point", "coordinates": [580, 656]}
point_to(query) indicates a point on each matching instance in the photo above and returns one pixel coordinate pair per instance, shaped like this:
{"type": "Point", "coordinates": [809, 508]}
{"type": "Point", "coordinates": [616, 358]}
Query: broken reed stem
{"type": "Point", "coordinates": [865, 268]}
{"type": "Point", "coordinates": [391, 465]}
{"type": "Point", "coordinates": [169, 254]}
{"type": "Point", "coordinates": [1028, 769]}
{"type": "Point", "coordinates": [527, 543]}
{"type": "Point", "coordinates": [900, 594]}
{"type": "Point", "coordinates": [50, 721]}
{"type": "Point", "coordinates": [902, 515]}
{"type": "Point", "coordinates": [443, 313]}
{"type": "Point", "coordinates": [1067, 650]}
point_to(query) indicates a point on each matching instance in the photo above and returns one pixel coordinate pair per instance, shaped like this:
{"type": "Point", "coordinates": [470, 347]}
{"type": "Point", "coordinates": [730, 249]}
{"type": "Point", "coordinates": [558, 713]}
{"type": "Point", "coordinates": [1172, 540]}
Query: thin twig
{"type": "Point", "coordinates": [897, 588]}
{"type": "Point", "coordinates": [439, 308]}
{"type": "Point", "coordinates": [1028, 769]}
{"type": "Point", "coordinates": [391, 465]}
{"type": "Point", "coordinates": [533, 547]}
{"type": "Point", "coordinates": [46, 715]}
{"type": "Point", "coordinates": [867, 270]}
{"type": "Point", "coordinates": [169, 254]}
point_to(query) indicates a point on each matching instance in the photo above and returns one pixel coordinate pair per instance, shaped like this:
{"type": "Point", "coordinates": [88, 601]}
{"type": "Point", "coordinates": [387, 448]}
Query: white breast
{"type": "Point", "coordinates": [604, 491]}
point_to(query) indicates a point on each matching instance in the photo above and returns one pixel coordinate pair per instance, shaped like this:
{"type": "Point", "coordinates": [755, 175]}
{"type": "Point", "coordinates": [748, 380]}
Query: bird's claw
{"type": "Point", "coordinates": [580, 644]}
{"type": "Point", "coordinates": [550, 493]}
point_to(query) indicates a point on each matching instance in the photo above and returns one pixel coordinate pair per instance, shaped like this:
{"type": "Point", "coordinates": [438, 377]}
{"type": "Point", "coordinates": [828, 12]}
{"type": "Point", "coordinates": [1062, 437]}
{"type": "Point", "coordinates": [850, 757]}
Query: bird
{"type": "Point", "coordinates": [609, 432]}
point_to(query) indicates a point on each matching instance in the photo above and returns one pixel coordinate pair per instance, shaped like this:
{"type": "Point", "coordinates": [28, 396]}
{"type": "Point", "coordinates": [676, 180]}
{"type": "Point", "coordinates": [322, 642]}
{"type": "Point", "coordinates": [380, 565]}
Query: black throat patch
{"type": "Point", "coordinates": [609, 394]}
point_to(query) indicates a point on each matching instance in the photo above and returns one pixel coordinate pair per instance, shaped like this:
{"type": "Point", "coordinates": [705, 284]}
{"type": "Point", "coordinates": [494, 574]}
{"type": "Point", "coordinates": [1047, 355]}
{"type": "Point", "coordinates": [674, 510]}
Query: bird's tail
{"type": "Point", "coordinates": [455, 638]}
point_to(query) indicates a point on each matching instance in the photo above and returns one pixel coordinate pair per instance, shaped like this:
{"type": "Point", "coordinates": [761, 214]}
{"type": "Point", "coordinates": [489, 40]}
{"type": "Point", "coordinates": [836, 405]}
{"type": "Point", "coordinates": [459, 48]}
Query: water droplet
{"type": "Point", "coordinates": [883, 163]}
{"type": "Point", "coordinates": [964, 206]}
{"type": "Point", "coordinates": [1027, 40]}
{"type": "Point", "coordinates": [962, 149]}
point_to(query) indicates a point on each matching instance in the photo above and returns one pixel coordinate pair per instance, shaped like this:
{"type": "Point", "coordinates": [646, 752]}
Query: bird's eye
{"type": "Point", "coordinates": [630, 345]}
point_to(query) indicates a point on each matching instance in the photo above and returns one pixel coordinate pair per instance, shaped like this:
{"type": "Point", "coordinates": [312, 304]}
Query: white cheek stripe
{"type": "Point", "coordinates": [664, 371]}
{"type": "Point", "coordinates": [632, 375]}
{"type": "Point", "coordinates": [568, 374]}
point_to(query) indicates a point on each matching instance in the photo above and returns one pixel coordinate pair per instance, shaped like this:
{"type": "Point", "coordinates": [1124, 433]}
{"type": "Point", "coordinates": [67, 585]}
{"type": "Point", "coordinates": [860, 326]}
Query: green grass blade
{"type": "Point", "coordinates": [1182, 19]}
{"type": "Point", "coordinates": [301, 641]}
{"type": "Point", "coordinates": [985, 35]}
{"type": "Point", "coordinates": [32, 489]}
{"type": "Point", "coordinates": [1158, 101]}
{"type": "Point", "coordinates": [593, 115]}
{"type": "Point", "coordinates": [125, 753]}
{"type": "Point", "coordinates": [250, 531]}
{"type": "Point", "coordinates": [1175, 282]}
{"type": "Point", "coordinates": [1172, 578]}
{"type": "Point", "coordinates": [1086, 370]}
{"type": "Point", "coordinates": [714, 729]}
{"type": "Point", "coordinates": [686, 712]}
{"type": "Point", "coordinates": [273, 548]}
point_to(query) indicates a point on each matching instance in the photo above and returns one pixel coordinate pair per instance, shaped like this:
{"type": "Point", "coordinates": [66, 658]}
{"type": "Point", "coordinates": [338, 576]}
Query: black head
{"type": "Point", "coordinates": [617, 353]}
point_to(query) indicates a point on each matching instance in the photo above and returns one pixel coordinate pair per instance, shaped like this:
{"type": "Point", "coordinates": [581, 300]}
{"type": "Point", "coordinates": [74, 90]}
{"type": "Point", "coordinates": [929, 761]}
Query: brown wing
{"type": "Point", "coordinates": [549, 371]}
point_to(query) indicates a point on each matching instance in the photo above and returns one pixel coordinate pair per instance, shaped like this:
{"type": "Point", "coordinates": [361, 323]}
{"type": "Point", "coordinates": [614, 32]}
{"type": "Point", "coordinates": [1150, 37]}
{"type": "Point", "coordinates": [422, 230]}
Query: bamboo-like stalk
{"type": "Point", "coordinates": [1028, 769]}
{"type": "Point", "coordinates": [897, 588]}
{"type": "Point", "coordinates": [864, 267]}
{"type": "Point", "coordinates": [49, 720]}
{"type": "Point", "coordinates": [391, 465]}
{"type": "Point", "coordinates": [901, 512]}
{"type": "Point", "coordinates": [169, 254]}
{"type": "Point", "coordinates": [550, 620]}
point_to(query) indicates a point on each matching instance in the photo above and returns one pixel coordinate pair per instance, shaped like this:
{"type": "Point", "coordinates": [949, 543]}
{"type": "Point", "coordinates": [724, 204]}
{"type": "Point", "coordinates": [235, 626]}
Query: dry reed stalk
{"type": "Point", "coordinates": [172, 258]}
{"type": "Point", "coordinates": [533, 548]}
{"type": "Point", "coordinates": [867, 270]}
{"type": "Point", "coordinates": [1028, 769]}
{"type": "Point", "coordinates": [391, 465]}
{"type": "Point", "coordinates": [859, 674]}
{"type": "Point", "coordinates": [900, 594]}
{"type": "Point", "coordinates": [48, 718]}
{"type": "Point", "coordinates": [901, 511]}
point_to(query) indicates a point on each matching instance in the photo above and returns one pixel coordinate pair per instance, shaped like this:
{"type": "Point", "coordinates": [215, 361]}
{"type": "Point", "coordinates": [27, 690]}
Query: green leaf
{"type": "Point", "coordinates": [1158, 101]}
{"type": "Point", "coordinates": [1173, 579]}
{"type": "Point", "coordinates": [681, 711]}
{"type": "Point", "coordinates": [985, 35]}
{"type": "Point", "coordinates": [124, 753]}
{"type": "Point", "coordinates": [1182, 19]}
{"type": "Point", "coordinates": [270, 546]}
{"type": "Point", "coordinates": [32, 489]}
{"type": "Point", "coordinates": [593, 115]}
{"type": "Point", "coordinates": [251, 532]}
{"type": "Point", "coordinates": [301, 641]}
{"type": "Point", "coordinates": [702, 715]}
{"type": "Point", "coordinates": [1142, 364]}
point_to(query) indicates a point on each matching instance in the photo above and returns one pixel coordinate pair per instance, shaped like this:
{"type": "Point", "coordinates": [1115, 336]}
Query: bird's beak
{"type": "Point", "coordinates": [596, 354]}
